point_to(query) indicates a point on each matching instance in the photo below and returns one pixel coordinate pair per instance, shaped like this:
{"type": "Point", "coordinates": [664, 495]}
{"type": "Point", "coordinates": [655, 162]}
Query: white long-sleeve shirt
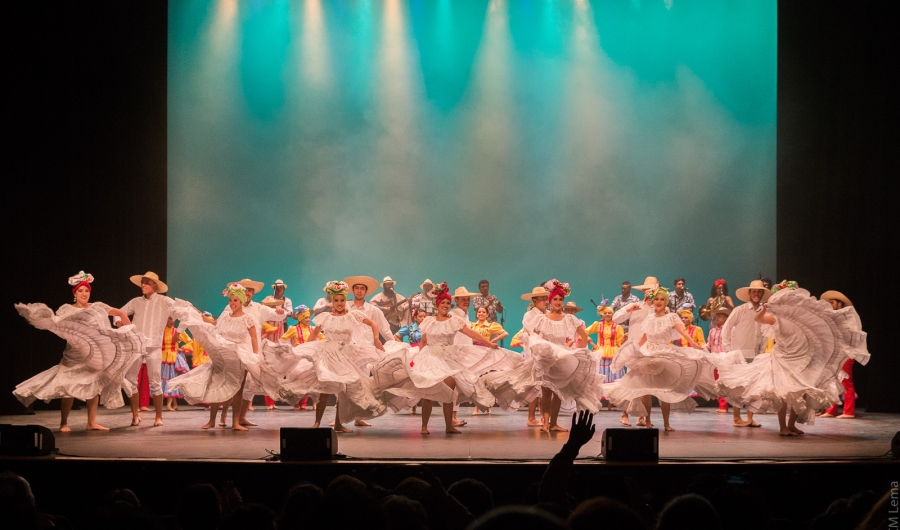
{"type": "Point", "coordinates": [376, 315]}
{"type": "Point", "coordinates": [459, 338]}
{"type": "Point", "coordinates": [150, 316]}
{"type": "Point", "coordinates": [635, 318]}
{"type": "Point", "coordinates": [742, 332]}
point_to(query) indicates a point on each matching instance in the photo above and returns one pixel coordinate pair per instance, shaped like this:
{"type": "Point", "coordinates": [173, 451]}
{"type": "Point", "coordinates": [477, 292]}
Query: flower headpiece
{"type": "Point", "coordinates": [336, 287]}
{"type": "Point", "coordinates": [719, 283]}
{"type": "Point", "coordinates": [441, 292]}
{"type": "Point", "coordinates": [82, 278]}
{"type": "Point", "coordinates": [302, 312]}
{"type": "Point", "coordinates": [557, 288]}
{"type": "Point", "coordinates": [602, 307]}
{"type": "Point", "coordinates": [237, 290]}
{"type": "Point", "coordinates": [785, 284]}
{"type": "Point", "coordinates": [653, 291]}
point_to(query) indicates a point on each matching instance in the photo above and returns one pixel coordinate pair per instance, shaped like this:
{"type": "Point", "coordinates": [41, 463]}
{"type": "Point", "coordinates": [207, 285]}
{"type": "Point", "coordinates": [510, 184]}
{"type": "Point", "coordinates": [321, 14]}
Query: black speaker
{"type": "Point", "coordinates": [308, 444]}
{"type": "Point", "coordinates": [630, 445]}
{"type": "Point", "coordinates": [26, 440]}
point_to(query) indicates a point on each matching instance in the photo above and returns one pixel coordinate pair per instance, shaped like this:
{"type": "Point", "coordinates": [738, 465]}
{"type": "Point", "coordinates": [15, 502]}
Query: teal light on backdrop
{"type": "Point", "coordinates": [518, 141]}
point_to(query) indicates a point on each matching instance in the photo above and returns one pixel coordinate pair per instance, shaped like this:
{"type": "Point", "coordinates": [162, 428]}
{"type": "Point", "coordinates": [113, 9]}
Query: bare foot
{"type": "Point", "coordinates": [239, 427]}
{"type": "Point", "coordinates": [533, 422]}
{"type": "Point", "coordinates": [753, 424]}
{"type": "Point", "coordinates": [135, 421]}
{"type": "Point", "coordinates": [846, 416]}
{"type": "Point", "coordinates": [641, 422]}
{"type": "Point", "coordinates": [97, 427]}
{"type": "Point", "coordinates": [488, 412]}
{"type": "Point", "coordinates": [66, 428]}
{"type": "Point", "coordinates": [315, 425]}
{"type": "Point", "coordinates": [453, 430]}
{"type": "Point", "coordinates": [157, 422]}
{"type": "Point", "coordinates": [331, 424]}
{"type": "Point", "coordinates": [475, 411]}
{"type": "Point", "coordinates": [649, 425]}
{"type": "Point", "coordinates": [145, 409]}
{"type": "Point", "coordinates": [361, 423]}
{"type": "Point", "coordinates": [721, 411]}
{"type": "Point", "coordinates": [611, 408]}
{"type": "Point", "coordinates": [170, 408]}
{"type": "Point", "coordinates": [459, 423]}
{"type": "Point", "coordinates": [544, 429]}
{"type": "Point", "coordinates": [341, 428]}
{"type": "Point", "coordinates": [669, 428]}
{"type": "Point", "coordinates": [209, 425]}
{"type": "Point", "coordinates": [250, 407]}
{"type": "Point", "coordinates": [413, 412]}
{"type": "Point", "coordinates": [624, 421]}
{"type": "Point", "coordinates": [247, 423]}
{"type": "Point", "coordinates": [223, 424]}
{"type": "Point", "coordinates": [795, 430]}
{"type": "Point", "coordinates": [826, 415]}
{"type": "Point", "coordinates": [425, 430]}
{"type": "Point", "coordinates": [557, 428]}
{"type": "Point", "coordinates": [740, 423]}
{"type": "Point", "coordinates": [271, 407]}
{"type": "Point", "coordinates": [786, 432]}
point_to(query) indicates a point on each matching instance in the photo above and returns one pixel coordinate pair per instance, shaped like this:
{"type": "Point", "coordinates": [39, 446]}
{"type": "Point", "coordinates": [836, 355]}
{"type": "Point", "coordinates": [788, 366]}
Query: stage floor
{"type": "Point", "coordinates": [702, 436]}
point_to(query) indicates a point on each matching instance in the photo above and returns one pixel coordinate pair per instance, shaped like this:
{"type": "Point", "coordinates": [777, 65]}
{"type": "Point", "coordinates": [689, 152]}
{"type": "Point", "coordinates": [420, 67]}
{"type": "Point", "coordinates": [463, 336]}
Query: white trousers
{"type": "Point", "coordinates": [153, 358]}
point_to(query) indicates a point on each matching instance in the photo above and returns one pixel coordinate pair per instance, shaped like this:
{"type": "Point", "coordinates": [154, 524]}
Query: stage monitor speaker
{"type": "Point", "coordinates": [26, 440]}
{"type": "Point", "coordinates": [308, 443]}
{"type": "Point", "coordinates": [630, 445]}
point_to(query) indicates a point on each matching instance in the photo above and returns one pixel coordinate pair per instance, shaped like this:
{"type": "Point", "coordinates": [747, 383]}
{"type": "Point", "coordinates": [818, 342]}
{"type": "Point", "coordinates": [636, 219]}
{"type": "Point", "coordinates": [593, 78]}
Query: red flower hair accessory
{"type": "Point", "coordinates": [441, 292]}
{"type": "Point", "coordinates": [557, 288]}
{"type": "Point", "coordinates": [719, 283]}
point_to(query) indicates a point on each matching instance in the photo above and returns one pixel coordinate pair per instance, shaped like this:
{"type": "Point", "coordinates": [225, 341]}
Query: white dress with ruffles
{"type": "Point", "coordinates": [804, 367]}
{"type": "Point", "coordinates": [230, 351]}
{"type": "Point", "coordinates": [570, 373]}
{"type": "Point", "coordinates": [95, 359]}
{"type": "Point", "coordinates": [661, 369]}
{"type": "Point", "coordinates": [412, 375]}
{"type": "Point", "coordinates": [336, 365]}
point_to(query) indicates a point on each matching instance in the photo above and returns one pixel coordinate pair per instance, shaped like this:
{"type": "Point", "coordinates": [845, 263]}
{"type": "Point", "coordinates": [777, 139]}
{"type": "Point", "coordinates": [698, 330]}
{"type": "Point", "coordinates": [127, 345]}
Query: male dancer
{"type": "Point", "coordinates": [838, 301]}
{"type": "Point", "coordinates": [742, 332]}
{"type": "Point", "coordinates": [260, 314]}
{"type": "Point", "coordinates": [149, 313]}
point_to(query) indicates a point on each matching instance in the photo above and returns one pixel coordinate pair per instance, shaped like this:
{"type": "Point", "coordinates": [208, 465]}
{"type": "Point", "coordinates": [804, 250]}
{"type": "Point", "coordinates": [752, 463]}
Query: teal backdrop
{"type": "Point", "coordinates": [517, 141]}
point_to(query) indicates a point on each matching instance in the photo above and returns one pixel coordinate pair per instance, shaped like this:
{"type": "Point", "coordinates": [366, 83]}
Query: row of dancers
{"type": "Point", "coordinates": [452, 363]}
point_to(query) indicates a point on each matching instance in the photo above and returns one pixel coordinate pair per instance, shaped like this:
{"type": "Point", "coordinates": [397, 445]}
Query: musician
{"type": "Point", "coordinates": [718, 296]}
{"type": "Point", "coordinates": [680, 298]}
{"type": "Point", "coordinates": [423, 301]}
{"type": "Point", "coordinates": [391, 304]}
{"type": "Point", "coordinates": [488, 301]}
{"type": "Point", "coordinates": [624, 299]}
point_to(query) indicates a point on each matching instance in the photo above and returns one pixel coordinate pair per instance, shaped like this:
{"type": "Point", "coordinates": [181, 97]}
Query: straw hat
{"type": "Point", "coordinates": [388, 279]}
{"type": "Point", "coordinates": [462, 292]}
{"type": "Point", "coordinates": [247, 283]}
{"type": "Point", "coordinates": [649, 283]}
{"type": "Point", "coordinates": [427, 282]}
{"type": "Point", "coordinates": [836, 295]}
{"type": "Point", "coordinates": [370, 283]}
{"type": "Point", "coordinates": [161, 287]}
{"type": "Point", "coordinates": [540, 290]}
{"type": "Point", "coordinates": [743, 294]}
{"type": "Point", "coordinates": [279, 282]}
{"type": "Point", "coordinates": [570, 304]}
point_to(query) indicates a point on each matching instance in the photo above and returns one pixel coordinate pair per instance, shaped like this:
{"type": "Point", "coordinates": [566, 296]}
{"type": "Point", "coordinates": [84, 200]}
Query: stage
{"type": "Point", "coordinates": [704, 436]}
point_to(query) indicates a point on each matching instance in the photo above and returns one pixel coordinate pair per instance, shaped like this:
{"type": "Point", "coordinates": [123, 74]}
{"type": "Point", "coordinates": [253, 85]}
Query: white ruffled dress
{"type": "Point", "coordinates": [804, 367]}
{"type": "Point", "coordinates": [95, 359]}
{"type": "Point", "coordinates": [230, 352]}
{"type": "Point", "coordinates": [570, 373]}
{"type": "Point", "coordinates": [336, 365]}
{"type": "Point", "coordinates": [411, 375]}
{"type": "Point", "coordinates": [661, 369]}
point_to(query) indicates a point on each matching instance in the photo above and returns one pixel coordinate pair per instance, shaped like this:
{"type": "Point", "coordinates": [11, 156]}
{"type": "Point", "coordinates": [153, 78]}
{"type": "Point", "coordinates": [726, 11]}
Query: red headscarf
{"type": "Point", "coordinates": [441, 292]}
{"type": "Point", "coordinates": [79, 284]}
{"type": "Point", "coordinates": [557, 288]}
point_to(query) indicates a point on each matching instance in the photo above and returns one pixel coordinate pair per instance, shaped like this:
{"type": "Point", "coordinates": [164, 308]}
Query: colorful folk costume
{"type": "Point", "coordinates": [411, 333]}
{"type": "Point", "coordinates": [412, 375]}
{"type": "Point", "coordinates": [716, 345]}
{"type": "Point", "coordinates": [609, 339]}
{"type": "Point", "coordinates": [658, 368]}
{"type": "Point", "coordinates": [192, 347]}
{"type": "Point", "coordinates": [851, 323]}
{"type": "Point", "coordinates": [336, 365]}
{"type": "Point", "coordinates": [96, 356]}
{"type": "Point", "coordinates": [229, 347]}
{"type": "Point", "coordinates": [173, 363]}
{"type": "Point", "coordinates": [570, 373]}
{"type": "Point", "coordinates": [812, 341]}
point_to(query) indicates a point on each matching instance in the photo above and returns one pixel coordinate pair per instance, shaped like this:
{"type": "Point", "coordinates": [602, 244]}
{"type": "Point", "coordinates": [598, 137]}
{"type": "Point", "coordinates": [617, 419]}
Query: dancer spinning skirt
{"type": "Point", "coordinates": [95, 359]}
{"type": "Point", "coordinates": [440, 366]}
{"type": "Point", "coordinates": [658, 368]}
{"type": "Point", "coordinates": [336, 366]}
{"type": "Point", "coordinates": [803, 372]}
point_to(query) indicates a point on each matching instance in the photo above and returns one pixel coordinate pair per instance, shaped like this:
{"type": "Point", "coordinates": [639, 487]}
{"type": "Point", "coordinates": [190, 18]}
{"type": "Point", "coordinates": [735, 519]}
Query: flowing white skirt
{"type": "Point", "coordinates": [669, 373]}
{"type": "Point", "coordinates": [94, 361]}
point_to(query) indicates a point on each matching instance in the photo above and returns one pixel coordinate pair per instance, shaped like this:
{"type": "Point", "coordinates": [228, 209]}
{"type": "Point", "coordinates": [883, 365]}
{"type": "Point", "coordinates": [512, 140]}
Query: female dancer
{"type": "Point", "coordinates": [413, 334]}
{"type": "Point", "coordinates": [610, 337]}
{"type": "Point", "coordinates": [336, 366]}
{"type": "Point", "coordinates": [439, 367]}
{"type": "Point", "coordinates": [231, 345]}
{"type": "Point", "coordinates": [296, 335]}
{"type": "Point", "coordinates": [657, 368]}
{"type": "Point", "coordinates": [173, 364]}
{"type": "Point", "coordinates": [95, 360]}
{"type": "Point", "coordinates": [800, 375]}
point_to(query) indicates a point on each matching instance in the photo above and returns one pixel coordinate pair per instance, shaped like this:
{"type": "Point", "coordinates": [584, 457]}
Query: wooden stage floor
{"type": "Point", "coordinates": [702, 436]}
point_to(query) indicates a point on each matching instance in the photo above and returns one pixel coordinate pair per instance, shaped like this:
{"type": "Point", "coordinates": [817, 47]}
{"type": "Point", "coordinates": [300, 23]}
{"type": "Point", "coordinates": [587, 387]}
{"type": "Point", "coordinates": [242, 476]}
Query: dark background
{"type": "Point", "coordinates": [86, 164]}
